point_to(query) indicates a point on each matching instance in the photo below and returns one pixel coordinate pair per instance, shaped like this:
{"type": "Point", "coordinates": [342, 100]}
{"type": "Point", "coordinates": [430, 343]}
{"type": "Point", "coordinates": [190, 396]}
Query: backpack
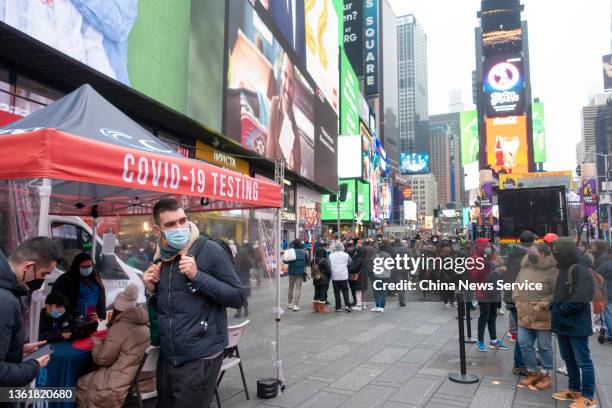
{"type": "Point", "coordinates": [600, 292]}
{"type": "Point", "coordinates": [386, 273]}
{"type": "Point", "coordinates": [199, 243]}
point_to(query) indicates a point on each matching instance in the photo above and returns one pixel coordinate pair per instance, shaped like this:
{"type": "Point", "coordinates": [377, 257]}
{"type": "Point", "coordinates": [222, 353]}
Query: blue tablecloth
{"type": "Point", "coordinates": [67, 364]}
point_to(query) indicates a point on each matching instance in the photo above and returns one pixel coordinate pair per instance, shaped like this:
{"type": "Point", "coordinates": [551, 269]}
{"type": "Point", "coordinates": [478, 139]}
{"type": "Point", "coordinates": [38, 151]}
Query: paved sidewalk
{"type": "Point", "coordinates": [398, 359]}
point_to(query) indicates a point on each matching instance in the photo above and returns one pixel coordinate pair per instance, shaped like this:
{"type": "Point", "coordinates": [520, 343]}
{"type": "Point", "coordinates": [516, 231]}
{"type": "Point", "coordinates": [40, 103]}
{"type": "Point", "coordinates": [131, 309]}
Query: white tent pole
{"type": "Point", "coordinates": [44, 194]}
{"type": "Point", "coordinates": [94, 233]}
{"type": "Point", "coordinates": [279, 175]}
{"type": "Point", "coordinates": [37, 300]}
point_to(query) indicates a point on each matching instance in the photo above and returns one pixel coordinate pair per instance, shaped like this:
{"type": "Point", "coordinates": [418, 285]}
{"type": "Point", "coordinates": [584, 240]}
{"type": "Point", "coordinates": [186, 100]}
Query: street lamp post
{"type": "Point", "coordinates": [605, 156]}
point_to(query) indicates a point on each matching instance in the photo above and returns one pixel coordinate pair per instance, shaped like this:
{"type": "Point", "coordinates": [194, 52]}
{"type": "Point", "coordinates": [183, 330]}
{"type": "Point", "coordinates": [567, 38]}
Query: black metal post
{"type": "Point", "coordinates": [463, 377]}
{"type": "Point", "coordinates": [468, 320]}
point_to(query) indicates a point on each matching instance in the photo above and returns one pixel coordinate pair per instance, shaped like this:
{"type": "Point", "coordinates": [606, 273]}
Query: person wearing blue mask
{"type": "Point", "coordinates": [190, 284]}
{"type": "Point", "coordinates": [83, 288]}
{"type": "Point", "coordinates": [55, 324]}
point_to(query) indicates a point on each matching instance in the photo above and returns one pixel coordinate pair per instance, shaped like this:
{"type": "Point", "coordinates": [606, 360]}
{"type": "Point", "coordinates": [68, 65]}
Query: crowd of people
{"type": "Point", "coordinates": [574, 278]}
{"type": "Point", "coordinates": [191, 280]}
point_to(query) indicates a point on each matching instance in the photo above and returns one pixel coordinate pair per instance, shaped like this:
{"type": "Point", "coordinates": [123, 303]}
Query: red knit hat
{"type": "Point", "coordinates": [550, 238]}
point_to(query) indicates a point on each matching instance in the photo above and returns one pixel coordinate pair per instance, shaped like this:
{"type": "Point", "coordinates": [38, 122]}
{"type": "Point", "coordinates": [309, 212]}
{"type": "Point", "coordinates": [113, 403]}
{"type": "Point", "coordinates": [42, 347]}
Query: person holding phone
{"type": "Point", "coordinates": [20, 275]}
{"type": "Point", "coordinates": [83, 288]}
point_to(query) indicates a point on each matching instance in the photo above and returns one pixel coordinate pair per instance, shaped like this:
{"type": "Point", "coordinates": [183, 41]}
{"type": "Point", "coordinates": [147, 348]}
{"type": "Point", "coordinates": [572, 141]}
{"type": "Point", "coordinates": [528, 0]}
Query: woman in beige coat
{"type": "Point", "coordinates": [117, 356]}
{"type": "Point", "coordinates": [534, 318]}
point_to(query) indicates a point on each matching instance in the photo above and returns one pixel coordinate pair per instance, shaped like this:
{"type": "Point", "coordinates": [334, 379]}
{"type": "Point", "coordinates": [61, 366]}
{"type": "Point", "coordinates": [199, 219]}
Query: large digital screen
{"type": "Point", "coordinates": [177, 66]}
{"type": "Point", "coordinates": [288, 16]}
{"type": "Point", "coordinates": [504, 85]}
{"type": "Point", "coordinates": [322, 47]}
{"type": "Point", "coordinates": [410, 210]}
{"type": "Point", "coordinates": [606, 62]}
{"type": "Point", "coordinates": [349, 98]}
{"type": "Point", "coordinates": [469, 137]}
{"type": "Point", "coordinates": [353, 33]}
{"type": "Point", "coordinates": [370, 50]}
{"type": "Point", "coordinates": [414, 163]}
{"type": "Point", "coordinates": [349, 149]}
{"type": "Point", "coordinates": [539, 134]}
{"type": "Point", "coordinates": [364, 192]}
{"type": "Point", "coordinates": [270, 105]}
{"type": "Point", "coordinates": [356, 205]}
{"type": "Point", "coordinates": [507, 148]}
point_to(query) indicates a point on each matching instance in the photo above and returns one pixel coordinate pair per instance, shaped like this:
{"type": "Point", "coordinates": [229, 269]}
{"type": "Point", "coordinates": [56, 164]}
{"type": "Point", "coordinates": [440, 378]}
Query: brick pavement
{"type": "Point", "coordinates": [399, 359]}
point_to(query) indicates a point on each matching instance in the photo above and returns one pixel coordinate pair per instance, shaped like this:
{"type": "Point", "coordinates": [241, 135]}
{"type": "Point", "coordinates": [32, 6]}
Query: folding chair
{"type": "Point", "coordinates": [148, 364]}
{"type": "Point", "coordinates": [232, 357]}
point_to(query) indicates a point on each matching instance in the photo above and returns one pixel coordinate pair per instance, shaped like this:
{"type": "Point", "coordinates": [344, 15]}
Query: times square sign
{"type": "Point", "coordinates": [504, 85]}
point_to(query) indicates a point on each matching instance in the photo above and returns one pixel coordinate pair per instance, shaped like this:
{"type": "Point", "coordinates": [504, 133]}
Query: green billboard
{"type": "Point", "coordinates": [363, 201]}
{"type": "Point", "coordinates": [349, 98]}
{"type": "Point", "coordinates": [357, 198]}
{"type": "Point", "coordinates": [539, 135]}
{"type": "Point", "coordinates": [469, 137]}
{"type": "Point", "coordinates": [329, 210]}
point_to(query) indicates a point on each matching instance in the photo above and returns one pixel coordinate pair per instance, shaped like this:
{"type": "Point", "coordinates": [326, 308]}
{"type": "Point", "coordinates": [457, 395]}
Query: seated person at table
{"type": "Point", "coordinates": [83, 288]}
{"type": "Point", "coordinates": [118, 355]}
{"type": "Point", "coordinates": [55, 323]}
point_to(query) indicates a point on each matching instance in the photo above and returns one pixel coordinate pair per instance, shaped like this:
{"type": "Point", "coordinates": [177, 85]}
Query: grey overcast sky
{"type": "Point", "coordinates": [566, 42]}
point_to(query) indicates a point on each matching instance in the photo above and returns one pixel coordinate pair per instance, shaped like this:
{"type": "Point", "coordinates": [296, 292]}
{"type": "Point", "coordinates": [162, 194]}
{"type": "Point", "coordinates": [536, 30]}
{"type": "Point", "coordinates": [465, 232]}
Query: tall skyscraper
{"type": "Point", "coordinates": [445, 136]}
{"type": "Point", "coordinates": [455, 101]}
{"type": "Point", "coordinates": [389, 109]}
{"type": "Point", "coordinates": [412, 86]}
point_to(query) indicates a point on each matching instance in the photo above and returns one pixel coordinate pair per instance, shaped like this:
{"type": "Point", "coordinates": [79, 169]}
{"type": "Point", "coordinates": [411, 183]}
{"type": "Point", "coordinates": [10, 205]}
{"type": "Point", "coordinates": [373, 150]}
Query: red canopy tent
{"type": "Point", "coordinates": [91, 159]}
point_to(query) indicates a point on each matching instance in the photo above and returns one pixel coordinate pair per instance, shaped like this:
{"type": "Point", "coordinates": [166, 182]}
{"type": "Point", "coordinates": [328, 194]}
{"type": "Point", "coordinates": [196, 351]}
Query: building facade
{"type": "Point", "coordinates": [424, 193]}
{"type": "Point", "coordinates": [445, 137]}
{"type": "Point", "coordinates": [412, 87]}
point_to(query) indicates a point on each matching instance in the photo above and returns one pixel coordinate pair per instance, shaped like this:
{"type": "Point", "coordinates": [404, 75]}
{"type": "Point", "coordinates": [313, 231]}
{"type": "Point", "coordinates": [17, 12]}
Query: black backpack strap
{"type": "Point", "coordinates": [197, 246]}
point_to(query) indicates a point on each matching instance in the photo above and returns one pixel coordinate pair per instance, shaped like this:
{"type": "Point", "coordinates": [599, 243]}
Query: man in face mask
{"type": "Point", "coordinates": [190, 284]}
{"type": "Point", "coordinates": [23, 273]}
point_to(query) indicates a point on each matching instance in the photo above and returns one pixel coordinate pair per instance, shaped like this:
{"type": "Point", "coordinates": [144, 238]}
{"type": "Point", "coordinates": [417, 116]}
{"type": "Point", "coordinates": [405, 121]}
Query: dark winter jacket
{"type": "Point", "coordinates": [13, 372]}
{"type": "Point", "coordinates": [192, 320]}
{"type": "Point", "coordinates": [401, 250]}
{"type": "Point", "coordinates": [320, 259]}
{"type": "Point", "coordinates": [605, 270]}
{"type": "Point", "coordinates": [51, 329]}
{"type": "Point", "coordinates": [571, 308]}
{"type": "Point", "coordinates": [298, 267]}
{"type": "Point", "coordinates": [513, 266]}
{"type": "Point", "coordinates": [68, 285]}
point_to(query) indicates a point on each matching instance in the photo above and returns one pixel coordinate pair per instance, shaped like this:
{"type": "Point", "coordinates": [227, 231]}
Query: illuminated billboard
{"type": "Point", "coordinates": [410, 210]}
{"type": "Point", "coordinates": [322, 47]}
{"type": "Point", "coordinates": [507, 148]}
{"type": "Point", "coordinates": [606, 61]}
{"type": "Point", "coordinates": [469, 137]}
{"type": "Point", "coordinates": [349, 149]}
{"type": "Point", "coordinates": [504, 85]}
{"type": "Point", "coordinates": [539, 134]}
{"type": "Point", "coordinates": [349, 98]}
{"type": "Point", "coordinates": [169, 51]}
{"type": "Point", "coordinates": [271, 106]}
{"type": "Point", "coordinates": [414, 163]}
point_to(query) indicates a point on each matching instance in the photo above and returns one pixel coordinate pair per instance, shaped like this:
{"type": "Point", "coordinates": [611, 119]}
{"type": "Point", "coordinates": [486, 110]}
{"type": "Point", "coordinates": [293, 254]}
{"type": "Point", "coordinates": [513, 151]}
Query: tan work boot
{"type": "Point", "coordinates": [322, 308]}
{"type": "Point", "coordinates": [315, 306]}
{"type": "Point", "coordinates": [584, 402]}
{"type": "Point", "coordinates": [567, 395]}
{"type": "Point", "coordinates": [531, 380]}
{"type": "Point", "coordinates": [544, 383]}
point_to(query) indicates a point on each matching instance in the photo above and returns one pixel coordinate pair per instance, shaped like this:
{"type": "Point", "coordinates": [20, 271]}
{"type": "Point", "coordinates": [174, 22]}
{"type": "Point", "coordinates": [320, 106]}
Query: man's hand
{"type": "Point", "coordinates": [29, 348]}
{"type": "Point", "coordinates": [43, 360]}
{"type": "Point", "coordinates": [188, 266]}
{"type": "Point", "coordinates": [151, 277]}
{"type": "Point", "coordinates": [66, 335]}
{"type": "Point", "coordinates": [93, 317]}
